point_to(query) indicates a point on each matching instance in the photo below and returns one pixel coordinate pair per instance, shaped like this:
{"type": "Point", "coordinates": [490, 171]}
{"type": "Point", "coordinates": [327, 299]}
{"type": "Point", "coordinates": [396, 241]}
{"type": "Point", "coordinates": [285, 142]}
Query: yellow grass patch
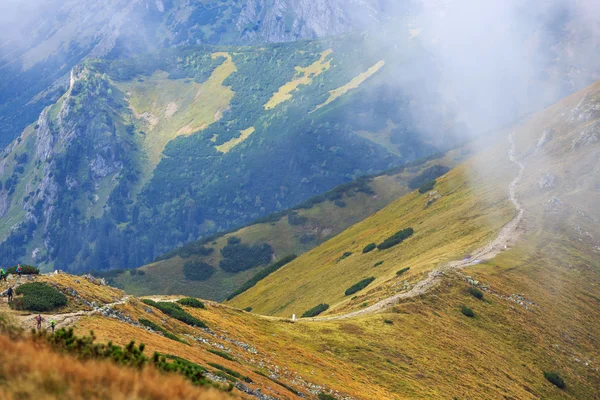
{"type": "Point", "coordinates": [168, 108]}
{"type": "Point", "coordinates": [245, 134]}
{"type": "Point", "coordinates": [304, 76]}
{"type": "Point", "coordinates": [353, 84]}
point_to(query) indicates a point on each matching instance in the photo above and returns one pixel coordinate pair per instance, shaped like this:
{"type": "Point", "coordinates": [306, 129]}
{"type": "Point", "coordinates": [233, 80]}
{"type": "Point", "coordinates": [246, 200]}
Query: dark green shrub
{"type": "Point", "coordinates": [396, 238]}
{"type": "Point", "coordinates": [345, 255]}
{"type": "Point", "coordinates": [248, 309]}
{"type": "Point", "coordinates": [428, 175]}
{"type": "Point", "coordinates": [175, 311]}
{"type": "Point", "coordinates": [241, 257]}
{"type": "Point", "coordinates": [325, 396]}
{"type": "Point", "coordinates": [231, 372]}
{"type": "Point", "coordinates": [222, 354]}
{"type": "Point", "coordinates": [197, 270]}
{"type": "Point", "coordinates": [359, 286]}
{"type": "Point", "coordinates": [340, 203]}
{"type": "Point", "coordinates": [388, 322]}
{"type": "Point", "coordinates": [370, 247]}
{"type": "Point", "coordinates": [467, 311]}
{"type": "Point", "coordinates": [427, 186]}
{"type": "Point", "coordinates": [296, 220]}
{"type": "Point", "coordinates": [38, 297]}
{"type": "Point", "coordinates": [27, 270]}
{"type": "Point", "coordinates": [402, 271]}
{"type": "Point", "coordinates": [313, 312]}
{"type": "Point", "coordinates": [233, 240]}
{"type": "Point", "coordinates": [190, 302]}
{"type": "Point", "coordinates": [555, 379]}
{"type": "Point", "coordinates": [478, 294]}
{"type": "Point", "coordinates": [262, 275]}
{"type": "Point", "coordinates": [377, 264]}
{"type": "Point", "coordinates": [160, 329]}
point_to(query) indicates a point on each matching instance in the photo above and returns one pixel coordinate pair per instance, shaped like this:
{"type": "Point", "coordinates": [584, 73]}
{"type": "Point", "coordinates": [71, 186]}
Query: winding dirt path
{"type": "Point", "coordinates": [67, 319]}
{"type": "Point", "coordinates": [507, 235]}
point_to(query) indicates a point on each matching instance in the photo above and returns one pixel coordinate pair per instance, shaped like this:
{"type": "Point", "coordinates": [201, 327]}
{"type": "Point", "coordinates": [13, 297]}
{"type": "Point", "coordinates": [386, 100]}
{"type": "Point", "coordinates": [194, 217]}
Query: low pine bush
{"type": "Point", "coordinates": [402, 271]}
{"type": "Point", "coordinates": [222, 354]}
{"type": "Point", "coordinates": [38, 297]}
{"type": "Point", "coordinates": [377, 264]}
{"type": "Point", "coordinates": [325, 396]}
{"type": "Point", "coordinates": [370, 247]}
{"type": "Point", "coordinates": [262, 275]}
{"type": "Point", "coordinates": [197, 270]}
{"type": "Point", "coordinates": [467, 311]}
{"type": "Point", "coordinates": [345, 255]}
{"type": "Point", "coordinates": [396, 238]}
{"type": "Point", "coordinates": [26, 270]}
{"type": "Point", "coordinates": [313, 312]}
{"type": "Point", "coordinates": [160, 329]}
{"type": "Point", "coordinates": [190, 302]}
{"type": "Point", "coordinates": [359, 286]}
{"type": "Point", "coordinates": [555, 379]}
{"type": "Point", "coordinates": [427, 186]}
{"type": "Point", "coordinates": [478, 294]}
{"type": "Point", "coordinates": [175, 311]}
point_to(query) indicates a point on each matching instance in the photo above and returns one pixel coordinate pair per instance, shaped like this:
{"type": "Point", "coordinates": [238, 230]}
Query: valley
{"type": "Point", "coordinates": [299, 199]}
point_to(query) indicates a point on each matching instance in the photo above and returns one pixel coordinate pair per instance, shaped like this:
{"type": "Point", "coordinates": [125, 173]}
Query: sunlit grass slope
{"type": "Point", "coordinates": [323, 221]}
{"type": "Point", "coordinates": [472, 208]}
{"type": "Point", "coordinates": [469, 212]}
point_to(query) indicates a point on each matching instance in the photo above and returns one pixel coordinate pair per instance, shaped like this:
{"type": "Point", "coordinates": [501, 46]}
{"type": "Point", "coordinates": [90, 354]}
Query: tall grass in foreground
{"type": "Point", "coordinates": [35, 371]}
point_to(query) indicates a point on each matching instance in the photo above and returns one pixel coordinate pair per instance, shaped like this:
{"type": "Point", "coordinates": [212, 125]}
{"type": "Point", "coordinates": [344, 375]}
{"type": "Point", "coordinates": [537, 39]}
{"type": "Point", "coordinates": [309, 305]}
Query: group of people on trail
{"type": "Point", "coordinates": [4, 272]}
{"type": "Point", "coordinates": [39, 319]}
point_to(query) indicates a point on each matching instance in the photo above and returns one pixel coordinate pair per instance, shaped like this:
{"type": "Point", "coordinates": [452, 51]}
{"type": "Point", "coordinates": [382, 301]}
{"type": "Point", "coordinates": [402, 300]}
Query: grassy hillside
{"type": "Point", "coordinates": [290, 232]}
{"type": "Point", "coordinates": [558, 149]}
{"type": "Point", "coordinates": [421, 348]}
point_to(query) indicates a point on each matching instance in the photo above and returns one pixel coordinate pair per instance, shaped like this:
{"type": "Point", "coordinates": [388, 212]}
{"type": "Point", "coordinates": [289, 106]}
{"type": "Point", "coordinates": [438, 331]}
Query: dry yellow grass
{"type": "Point", "coordinates": [33, 371]}
{"type": "Point", "coordinates": [353, 84]}
{"type": "Point", "coordinates": [304, 77]}
{"type": "Point", "coordinates": [227, 146]}
{"type": "Point", "coordinates": [167, 108]}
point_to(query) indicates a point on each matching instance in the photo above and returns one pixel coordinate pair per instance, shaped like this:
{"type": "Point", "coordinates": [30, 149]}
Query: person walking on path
{"type": "Point", "coordinates": [9, 293]}
{"type": "Point", "coordinates": [2, 274]}
{"type": "Point", "coordinates": [52, 325]}
{"type": "Point", "coordinates": [19, 270]}
{"type": "Point", "coordinates": [38, 321]}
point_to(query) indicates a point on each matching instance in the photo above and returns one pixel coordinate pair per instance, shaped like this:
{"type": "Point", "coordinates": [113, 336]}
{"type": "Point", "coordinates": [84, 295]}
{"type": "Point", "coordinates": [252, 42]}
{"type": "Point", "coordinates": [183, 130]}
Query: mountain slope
{"type": "Point", "coordinates": [472, 208]}
{"type": "Point", "coordinates": [146, 154]}
{"type": "Point", "coordinates": [42, 40]}
{"type": "Point", "coordinates": [289, 232]}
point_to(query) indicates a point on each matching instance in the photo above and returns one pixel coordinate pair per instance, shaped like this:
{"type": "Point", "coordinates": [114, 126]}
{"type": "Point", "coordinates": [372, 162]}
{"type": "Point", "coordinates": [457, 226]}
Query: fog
{"type": "Point", "coordinates": [500, 60]}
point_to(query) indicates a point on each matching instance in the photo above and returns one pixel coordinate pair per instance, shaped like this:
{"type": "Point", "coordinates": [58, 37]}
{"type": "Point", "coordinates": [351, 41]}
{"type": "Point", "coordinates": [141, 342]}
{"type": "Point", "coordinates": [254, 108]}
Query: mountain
{"type": "Point", "coordinates": [499, 298]}
{"type": "Point", "coordinates": [200, 269]}
{"type": "Point", "coordinates": [558, 190]}
{"type": "Point", "coordinates": [142, 155]}
{"type": "Point", "coordinates": [42, 40]}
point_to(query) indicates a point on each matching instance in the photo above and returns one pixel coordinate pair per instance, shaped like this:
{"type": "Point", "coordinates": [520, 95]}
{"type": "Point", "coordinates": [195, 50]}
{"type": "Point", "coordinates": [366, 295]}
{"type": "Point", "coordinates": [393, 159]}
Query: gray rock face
{"type": "Point", "coordinates": [288, 20]}
{"type": "Point", "coordinates": [546, 182]}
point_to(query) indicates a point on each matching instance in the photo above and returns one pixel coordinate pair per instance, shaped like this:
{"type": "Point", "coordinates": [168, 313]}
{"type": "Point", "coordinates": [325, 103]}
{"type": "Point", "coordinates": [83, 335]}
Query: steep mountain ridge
{"type": "Point", "coordinates": [180, 144]}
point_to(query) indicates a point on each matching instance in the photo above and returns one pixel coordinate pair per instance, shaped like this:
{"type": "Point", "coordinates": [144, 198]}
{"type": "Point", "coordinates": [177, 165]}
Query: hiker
{"type": "Point", "coordinates": [9, 293]}
{"type": "Point", "coordinates": [52, 325]}
{"type": "Point", "coordinates": [19, 270]}
{"type": "Point", "coordinates": [39, 320]}
{"type": "Point", "coordinates": [2, 274]}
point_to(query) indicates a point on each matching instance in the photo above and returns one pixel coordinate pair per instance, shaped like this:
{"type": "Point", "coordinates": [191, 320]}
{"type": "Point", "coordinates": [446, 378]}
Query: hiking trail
{"type": "Point", "coordinates": [507, 235]}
